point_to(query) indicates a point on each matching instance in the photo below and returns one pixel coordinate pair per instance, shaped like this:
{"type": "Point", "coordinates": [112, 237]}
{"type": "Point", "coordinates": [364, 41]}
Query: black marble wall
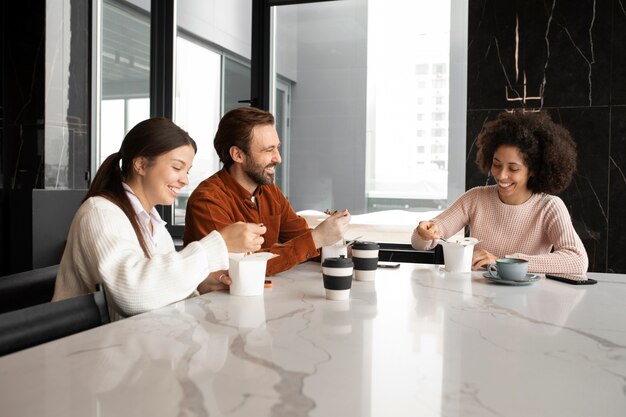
{"type": "Point", "coordinates": [569, 59]}
{"type": "Point", "coordinates": [22, 75]}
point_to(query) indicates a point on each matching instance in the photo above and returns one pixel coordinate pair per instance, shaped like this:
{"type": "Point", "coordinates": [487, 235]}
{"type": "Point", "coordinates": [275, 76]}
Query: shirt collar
{"type": "Point", "coordinates": [141, 213]}
{"type": "Point", "coordinates": [232, 183]}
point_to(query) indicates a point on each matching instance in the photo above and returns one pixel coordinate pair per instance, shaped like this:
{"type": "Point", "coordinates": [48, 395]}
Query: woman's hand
{"type": "Point", "coordinates": [482, 258]}
{"type": "Point", "coordinates": [243, 237]}
{"type": "Point", "coordinates": [216, 281]}
{"type": "Point", "coordinates": [428, 230]}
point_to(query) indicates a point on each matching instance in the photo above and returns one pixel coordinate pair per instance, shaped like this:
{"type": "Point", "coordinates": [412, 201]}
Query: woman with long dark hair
{"type": "Point", "coordinates": [117, 237]}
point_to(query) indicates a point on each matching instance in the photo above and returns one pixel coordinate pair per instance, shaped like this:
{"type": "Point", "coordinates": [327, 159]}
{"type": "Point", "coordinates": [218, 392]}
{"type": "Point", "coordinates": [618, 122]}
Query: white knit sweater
{"type": "Point", "coordinates": [539, 230]}
{"type": "Point", "coordinates": [102, 247]}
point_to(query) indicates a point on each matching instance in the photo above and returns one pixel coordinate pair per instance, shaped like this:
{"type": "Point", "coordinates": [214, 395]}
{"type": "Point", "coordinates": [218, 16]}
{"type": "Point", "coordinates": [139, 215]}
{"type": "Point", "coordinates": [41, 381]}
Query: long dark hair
{"type": "Point", "coordinates": [235, 129]}
{"type": "Point", "coordinates": [149, 139]}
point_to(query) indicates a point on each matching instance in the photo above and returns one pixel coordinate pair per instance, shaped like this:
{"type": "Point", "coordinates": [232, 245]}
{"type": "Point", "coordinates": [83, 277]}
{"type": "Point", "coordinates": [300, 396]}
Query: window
{"type": "Point", "coordinates": [439, 84]}
{"type": "Point", "coordinates": [212, 74]}
{"type": "Point", "coordinates": [439, 69]}
{"type": "Point", "coordinates": [438, 132]}
{"type": "Point", "coordinates": [438, 116]}
{"type": "Point", "coordinates": [125, 87]}
{"type": "Point", "coordinates": [379, 64]}
{"type": "Point", "coordinates": [421, 69]}
{"type": "Point", "coordinates": [197, 110]}
{"type": "Point", "coordinates": [438, 148]}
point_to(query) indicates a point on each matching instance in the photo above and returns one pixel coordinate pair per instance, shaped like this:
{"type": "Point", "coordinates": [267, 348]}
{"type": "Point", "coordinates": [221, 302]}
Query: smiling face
{"type": "Point", "coordinates": [263, 156]}
{"type": "Point", "coordinates": [159, 181]}
{"type": "Point", "coordinates": [511, 174]}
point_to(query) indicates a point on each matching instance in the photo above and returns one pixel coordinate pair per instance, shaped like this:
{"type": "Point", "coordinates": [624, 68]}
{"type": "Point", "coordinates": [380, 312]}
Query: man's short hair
{"type": "Point", "coordinates": [235, 129]}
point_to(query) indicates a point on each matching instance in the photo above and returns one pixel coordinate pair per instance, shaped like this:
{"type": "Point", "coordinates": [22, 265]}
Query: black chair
{"type": "Point", "coordinates": [28, 288]}
{"type": "Point", "coordinates": [31, 326]}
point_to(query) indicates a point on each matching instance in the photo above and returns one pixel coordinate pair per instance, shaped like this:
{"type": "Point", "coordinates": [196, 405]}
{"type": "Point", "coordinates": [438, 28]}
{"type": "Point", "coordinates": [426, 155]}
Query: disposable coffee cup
{"type": "Point", "coordinates": [512, 269]}
{"type": "Point", "coordinates": [247, 273]}
{"type": "Point", "coordinates": [337, 274]}
{"type": "Point", "coordinates": [365, 258]}
{"type": "Point", "coordinates": [334, 251]}
{"type": "Point", "coordinates": [457, 255]}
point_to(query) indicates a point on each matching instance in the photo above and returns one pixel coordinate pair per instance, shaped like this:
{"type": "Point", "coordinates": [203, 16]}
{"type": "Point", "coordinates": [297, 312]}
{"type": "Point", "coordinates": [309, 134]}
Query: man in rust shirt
{"type": "Point", "coordinates": [248, 145]}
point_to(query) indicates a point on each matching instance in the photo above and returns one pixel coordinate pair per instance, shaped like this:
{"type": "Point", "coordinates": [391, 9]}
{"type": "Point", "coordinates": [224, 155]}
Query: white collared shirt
{"type": "Point", "coordinates": [145, 218]}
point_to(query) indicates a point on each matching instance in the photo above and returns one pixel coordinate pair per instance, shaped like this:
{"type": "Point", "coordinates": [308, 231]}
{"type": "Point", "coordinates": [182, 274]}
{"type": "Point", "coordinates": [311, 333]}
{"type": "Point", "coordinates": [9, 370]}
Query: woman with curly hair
{"type": "Point", "coordinates": [531, 158]}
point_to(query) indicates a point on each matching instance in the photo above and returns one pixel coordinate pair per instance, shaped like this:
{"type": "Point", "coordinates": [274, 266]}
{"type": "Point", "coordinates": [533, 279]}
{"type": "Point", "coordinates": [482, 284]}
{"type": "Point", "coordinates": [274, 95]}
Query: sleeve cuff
{"type": "Point", "coordinates": [215, 250]}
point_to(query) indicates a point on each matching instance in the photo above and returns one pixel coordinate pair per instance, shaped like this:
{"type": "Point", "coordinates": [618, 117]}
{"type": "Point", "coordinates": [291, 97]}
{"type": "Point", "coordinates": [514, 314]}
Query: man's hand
{"type": "Point", "coordinates": [332, 229]}
{"type": "Point", "coordinates": [216, 281]}
{"type": "Point", "coordinates": [428, 230]}
{"type": "Point", "coordinates": [243, 237]}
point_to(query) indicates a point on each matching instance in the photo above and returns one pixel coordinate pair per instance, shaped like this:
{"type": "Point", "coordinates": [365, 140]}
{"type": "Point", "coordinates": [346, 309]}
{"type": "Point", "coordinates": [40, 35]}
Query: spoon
{"type": "Point", "coordinates": [350, 242]}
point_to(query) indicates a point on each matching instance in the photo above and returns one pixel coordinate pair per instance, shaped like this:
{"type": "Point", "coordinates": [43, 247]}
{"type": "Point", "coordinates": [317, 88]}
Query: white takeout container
{"type": "Point", "coordinates": [457, 254]}
{"type": "Point", "coordinates": [247, 272]}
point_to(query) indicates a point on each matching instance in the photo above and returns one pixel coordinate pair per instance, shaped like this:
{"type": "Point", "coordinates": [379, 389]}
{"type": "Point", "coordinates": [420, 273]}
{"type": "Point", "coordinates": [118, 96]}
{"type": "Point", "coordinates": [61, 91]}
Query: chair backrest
{"type": "Point", "coordinates": [42, 323]}
{"type": "Point", "coordinates": [28, 288]}
{"type": "Point", "coordinates": [53, 212]}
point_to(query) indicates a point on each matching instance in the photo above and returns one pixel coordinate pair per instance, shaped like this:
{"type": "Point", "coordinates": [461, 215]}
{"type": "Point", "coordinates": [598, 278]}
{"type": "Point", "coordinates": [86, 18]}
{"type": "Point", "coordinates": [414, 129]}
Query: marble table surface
{"type": "Point", "coordinates": [416, 342]}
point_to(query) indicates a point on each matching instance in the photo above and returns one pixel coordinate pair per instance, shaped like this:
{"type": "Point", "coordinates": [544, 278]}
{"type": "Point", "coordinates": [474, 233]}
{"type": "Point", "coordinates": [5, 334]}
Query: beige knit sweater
{"type": "Point", "coordinates": [102, 248]}
{"type": "Point", "coordinates": [539, 230]}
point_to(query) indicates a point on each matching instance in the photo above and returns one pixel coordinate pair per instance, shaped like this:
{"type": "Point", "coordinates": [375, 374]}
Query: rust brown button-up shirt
{"type": "Point", "coordinates": [219, 201]}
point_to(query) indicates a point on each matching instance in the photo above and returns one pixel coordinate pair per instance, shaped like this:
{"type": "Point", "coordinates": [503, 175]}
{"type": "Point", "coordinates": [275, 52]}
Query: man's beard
{"type": "Point", "coordinates": [257, 173]}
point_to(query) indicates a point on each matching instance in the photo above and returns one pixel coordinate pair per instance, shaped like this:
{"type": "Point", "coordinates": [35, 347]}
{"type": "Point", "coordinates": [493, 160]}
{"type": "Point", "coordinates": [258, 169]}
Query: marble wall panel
{"type": "Point", "coordinates": [527, 53]}
{"type": "Point", "coordinates": [617, 192]}
{"type": "Point", "coordinates": [587, 197]}
{"type": "Point", "coordinates": [618, 55]}
{"type": "Point", "coordinates": [573, 56]}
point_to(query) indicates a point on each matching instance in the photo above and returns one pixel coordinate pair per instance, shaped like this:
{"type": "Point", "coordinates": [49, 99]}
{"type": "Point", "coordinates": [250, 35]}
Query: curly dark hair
{"type": "Point", "coordinates": [546, 147]}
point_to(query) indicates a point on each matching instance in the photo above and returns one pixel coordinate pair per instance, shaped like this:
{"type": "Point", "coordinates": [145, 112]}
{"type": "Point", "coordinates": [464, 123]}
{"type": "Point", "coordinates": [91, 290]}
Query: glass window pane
{"type": "Point", "coordinates": [125, 73]}
{"type": "Point", "coordinates": [67, 125]}
{"type": "Point", "coordinates": [404, 63]}
{"type": "Point", "coordinates": [236, 84]}
{"type": "Point", "coordinates": [137, 110]}
{"type": "Point", "coordinates": [368, 114]}
{"type": "Point", "coordinates": [112, 132]}
{"type": "Point", "coordinates": [197, 110]}
{"type": "Point", "coordinates": [209, 79]}
{"type": "Point", "coordinates": [320, 49]}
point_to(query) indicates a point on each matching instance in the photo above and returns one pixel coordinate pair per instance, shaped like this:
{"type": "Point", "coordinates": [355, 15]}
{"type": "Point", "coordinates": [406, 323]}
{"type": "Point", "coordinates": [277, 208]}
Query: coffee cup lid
{"type": "Point", "coordinates": [362, 245]}
{"type": "Point", "coordinates": [340, 262]}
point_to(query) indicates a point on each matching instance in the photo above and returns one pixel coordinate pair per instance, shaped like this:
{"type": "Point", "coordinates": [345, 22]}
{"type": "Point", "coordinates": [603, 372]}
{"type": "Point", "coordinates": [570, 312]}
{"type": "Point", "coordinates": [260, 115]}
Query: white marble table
{"type": "Point", "coordinates": [417, 342]}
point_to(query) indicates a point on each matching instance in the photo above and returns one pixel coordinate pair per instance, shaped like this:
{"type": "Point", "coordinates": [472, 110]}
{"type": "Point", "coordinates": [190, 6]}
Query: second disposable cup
{"type": "Point", "coordinates": [365, 257]}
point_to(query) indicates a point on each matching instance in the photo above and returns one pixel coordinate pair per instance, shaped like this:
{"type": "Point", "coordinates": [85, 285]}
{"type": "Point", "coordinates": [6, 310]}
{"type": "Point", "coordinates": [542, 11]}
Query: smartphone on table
{"type": "Point", "coordinates": [382, 264]}
{"type": "Point", "coordinates": [574, 279]}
